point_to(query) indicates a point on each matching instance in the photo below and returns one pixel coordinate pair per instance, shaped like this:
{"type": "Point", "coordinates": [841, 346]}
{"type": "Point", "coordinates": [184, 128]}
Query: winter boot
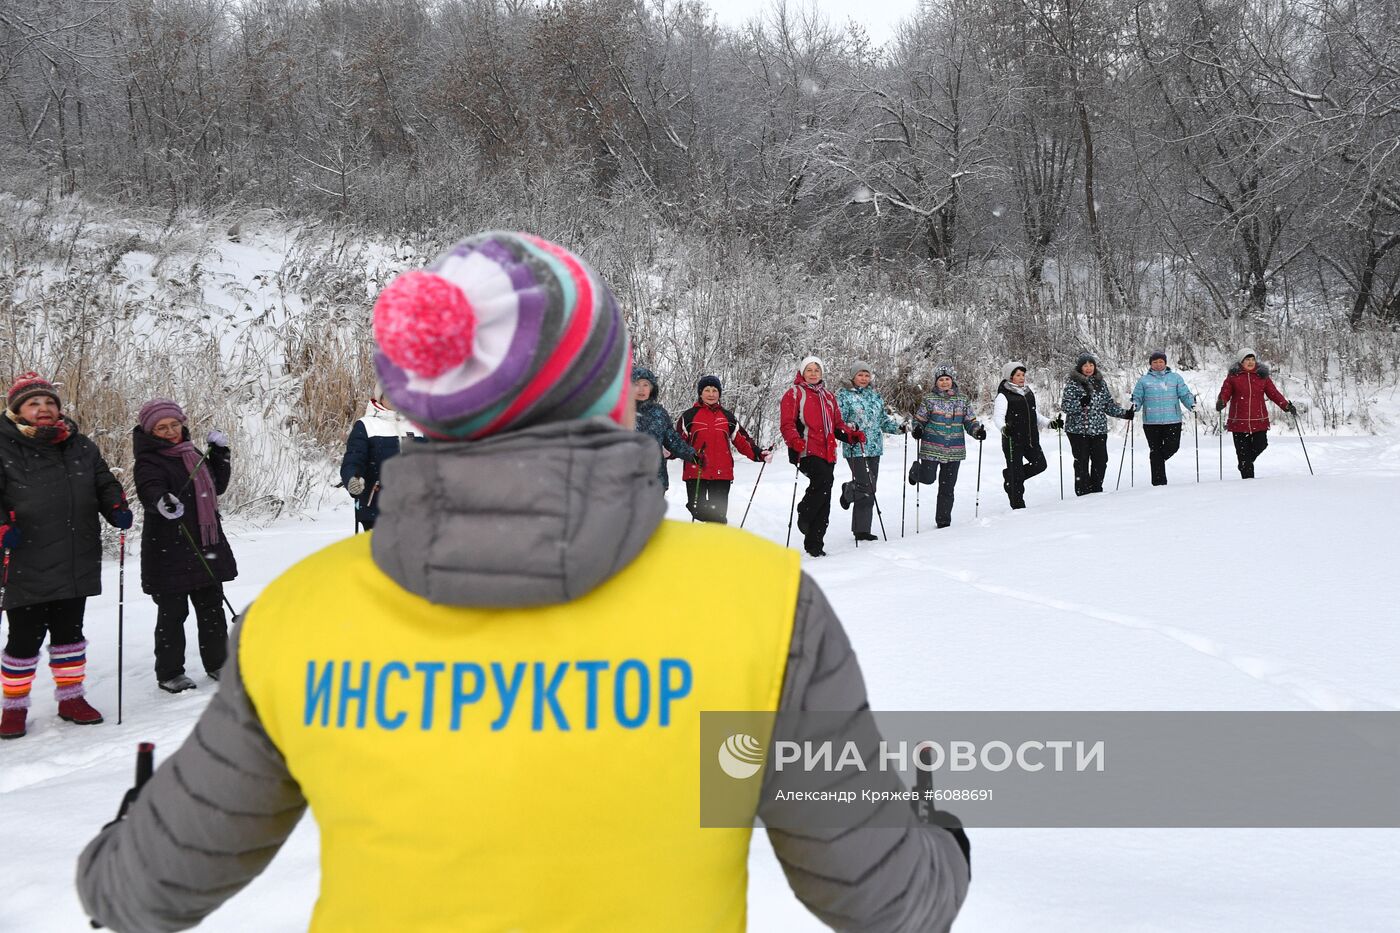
{"type": "Point", "coordinates": [78, 711]}
{"type": "Point", "coordinates": [866, 536]}
{"type": "Point", "coordinates": [214, 675]}
{"type": "Point", "coordinates": [177, 684]}
{"type": "Point", "coordinates": [12, 722]}
{"type": "Point", "coordinates": [847, 495]}
{"type": "Point", "coordinates": [815, 550]}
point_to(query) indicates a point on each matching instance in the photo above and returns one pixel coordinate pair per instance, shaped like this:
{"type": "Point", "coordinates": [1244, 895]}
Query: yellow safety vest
{"type": "Point", "coordinates": [521, 769]}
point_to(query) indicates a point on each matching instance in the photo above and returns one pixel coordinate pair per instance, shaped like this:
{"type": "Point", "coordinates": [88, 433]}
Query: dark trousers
{"type": "Point", "coordinates": [61, 619]}
{"type": "Point", "coordinates": [1163, 440]}
{"type": "Point", "coordinates": [814, 511]}
{"type": "Point", "coordinates": [1022, 462]}
{"type": "Point", "coordinates": [1248, 447]}
{"type": "Point", "coordinates": [865, 474]}
{"type": "Point", "coordinates": [708, 499]}
{"type": "Point", "coordinates": [171, 611]}
{"type": "Point", "coordinates": [1090, 462]}
{"type": "Point", "coordinates": [946, 475]}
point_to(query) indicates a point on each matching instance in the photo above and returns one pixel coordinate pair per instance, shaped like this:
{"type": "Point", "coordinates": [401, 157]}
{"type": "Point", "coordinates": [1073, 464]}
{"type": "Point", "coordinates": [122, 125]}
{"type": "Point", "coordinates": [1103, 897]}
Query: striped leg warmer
{"type": "Point", "coordinates": [16, 676]}
{"type": "Point", "coordinates": [69, 665]}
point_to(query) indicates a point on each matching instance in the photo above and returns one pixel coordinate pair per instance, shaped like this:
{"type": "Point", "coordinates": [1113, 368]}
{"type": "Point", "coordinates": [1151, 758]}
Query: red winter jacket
{"type": "Point", "coordinates": [811, 421]}
{"type": "Point", "coordinates": [1246, 391]}
{"type": "Point", "coordinates": [710, 429]}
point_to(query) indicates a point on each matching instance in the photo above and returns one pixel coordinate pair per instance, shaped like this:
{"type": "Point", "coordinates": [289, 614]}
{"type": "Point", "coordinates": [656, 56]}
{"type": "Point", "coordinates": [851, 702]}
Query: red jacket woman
{"type": "Point", "coordinates": [710, 429]}
{"type": "Point", "coordinates": [1245, 389]}
{"type": "Point", "coordinates": [812, 425]}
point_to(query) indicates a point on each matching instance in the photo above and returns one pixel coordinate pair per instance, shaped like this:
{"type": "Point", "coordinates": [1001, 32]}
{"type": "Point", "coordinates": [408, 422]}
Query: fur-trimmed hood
{"type": "Point", "coordinates": [1260, 369]}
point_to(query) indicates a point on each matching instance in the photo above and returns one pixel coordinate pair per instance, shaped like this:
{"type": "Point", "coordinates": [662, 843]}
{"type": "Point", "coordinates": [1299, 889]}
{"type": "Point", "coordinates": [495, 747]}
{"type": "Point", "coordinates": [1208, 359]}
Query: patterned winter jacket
{"type": "Point", "coordinates": [1246, 391]}
{"type": "Point", "coordinates": [654, 419]}
{"type": "Point", "coordinates": [864, 409]}
{"type": "Point", "coordinates": [945, 417]}
{"type": "Point", "coordinates": [1157, 396]}
{"type": "Point", "coordinates": [1087, 403]}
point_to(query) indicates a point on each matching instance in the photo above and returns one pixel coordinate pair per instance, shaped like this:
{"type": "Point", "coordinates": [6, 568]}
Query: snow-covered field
{"type": "Point", "coordinates": [1275, 594]}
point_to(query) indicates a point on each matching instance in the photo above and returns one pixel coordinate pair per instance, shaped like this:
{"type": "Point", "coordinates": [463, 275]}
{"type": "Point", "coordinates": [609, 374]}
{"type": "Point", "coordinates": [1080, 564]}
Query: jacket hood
{"type": "Point", "coordinates": [528, 518]}
{"type": "Point", "coordinates": [1260, 369]}
{"type": "Point", "coordinates": [641, 372]}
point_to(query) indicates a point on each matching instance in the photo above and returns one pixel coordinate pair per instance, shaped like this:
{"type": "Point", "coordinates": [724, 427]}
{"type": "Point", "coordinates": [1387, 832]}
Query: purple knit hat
{"type": "Point", "coordinates": [156, 409]}
{"type": "Point", "coordinates": [501, 332]}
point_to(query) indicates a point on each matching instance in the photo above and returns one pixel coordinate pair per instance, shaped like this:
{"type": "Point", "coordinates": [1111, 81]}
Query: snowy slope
{"type": "Point", "coordinates": [1273, 594]}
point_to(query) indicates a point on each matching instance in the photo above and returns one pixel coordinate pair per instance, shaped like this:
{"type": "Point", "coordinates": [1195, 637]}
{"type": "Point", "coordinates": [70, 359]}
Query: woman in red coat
{"type": "Point", "coordinates": [1245, 389]}
{"type": "Point", "coordinates": [811, 426]}
{"type": "Point", "coordinates": [711, 429]}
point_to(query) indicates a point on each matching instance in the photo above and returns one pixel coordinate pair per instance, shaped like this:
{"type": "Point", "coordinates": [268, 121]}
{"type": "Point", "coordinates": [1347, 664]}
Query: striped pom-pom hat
{"type": "Point", "coordinates": [501, 332]}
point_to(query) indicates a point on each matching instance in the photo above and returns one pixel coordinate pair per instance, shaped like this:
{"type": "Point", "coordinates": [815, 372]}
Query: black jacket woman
{"type": "Point", "coordinates": [53, 486]}
{"type": "Point", "coordinates": [185, 555]}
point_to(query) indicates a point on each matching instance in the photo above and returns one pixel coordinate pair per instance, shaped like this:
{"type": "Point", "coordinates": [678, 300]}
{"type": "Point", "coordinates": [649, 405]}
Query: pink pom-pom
{"type": "Point", "coordinates": [424, 323]}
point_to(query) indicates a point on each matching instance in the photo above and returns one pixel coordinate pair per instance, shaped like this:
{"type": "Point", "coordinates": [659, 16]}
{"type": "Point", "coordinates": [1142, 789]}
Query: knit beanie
{"type": "Point", "coordinates": [1009, 370]}
{"type": "Point", "coordinates": [858, 367]}
{"type": "Point", "coordinates": [641, 372]}
{"type": "Point", "coordinates": [501, 332]}
{"type": "Point", "coordinates": [708, 381]}
{"type": "Point", "coordinates": [946, 369]}
{"type": "Point", "coordinates": [808, 361]}
{"type": "Point", "coordinates": [157, 409]}
{"type": "Point", "coordinates": [1157, 355]}
{"type": "Point", "coordinates": [26, 387]}
{"type": "Point", "coordinates": [1086, 358]}
{"type": "Point", "coordinates": [1246, 351]}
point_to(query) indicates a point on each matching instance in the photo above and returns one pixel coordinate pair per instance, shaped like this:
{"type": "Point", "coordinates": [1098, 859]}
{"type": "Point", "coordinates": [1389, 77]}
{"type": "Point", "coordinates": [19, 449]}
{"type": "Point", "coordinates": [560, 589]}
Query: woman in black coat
{"type": "Point", "coordinates": [53, 486]}
{"type": "Point", "coordinates": [185, 556]}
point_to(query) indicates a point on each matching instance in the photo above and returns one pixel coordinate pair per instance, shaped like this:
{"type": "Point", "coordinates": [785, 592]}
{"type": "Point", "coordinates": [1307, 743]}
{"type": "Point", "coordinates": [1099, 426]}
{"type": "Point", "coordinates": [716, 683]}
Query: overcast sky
{"type": "Point", "coordinates": [878, 16]}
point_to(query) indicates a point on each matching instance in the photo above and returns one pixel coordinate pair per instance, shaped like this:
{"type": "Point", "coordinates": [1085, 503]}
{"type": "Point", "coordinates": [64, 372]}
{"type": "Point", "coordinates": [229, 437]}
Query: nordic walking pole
{"type": "Point", "coordinates": [207, 569]}
{"type": "Point", "coordinates": [1299, 429]}
{"type": "Point", "coordinates": [1132, 447]}
{"type": "Point", "coordinates": [1221, 436]}
{"type": "Point", "coordinates": [881, 516]}
{"type": "Point", "coordinates": [904, 481]}
{"type": "Point", "coordinates": [977, 503]}
{"type": "Point", "coordinates": [1060, 443]}
{"type": "Point", "coordinates": [1121, 457]}
{"type": "Point", "coordinates": [4, 582]}
{"type": "Point", "coordinates": [121, 613]}
{"type": "Point", "coordinates": [917, 490]}
{"type": "Point", "coordinates": [795, 474]}
{"type": "Point", "coordinates": [755, 489]}
{"type": "Point", "coordinates": [1196, 427]}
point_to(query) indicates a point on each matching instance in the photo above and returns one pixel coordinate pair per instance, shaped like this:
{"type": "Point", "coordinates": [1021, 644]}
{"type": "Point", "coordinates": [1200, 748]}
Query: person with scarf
{"type": "Point", "coordinates": [811, 425]}
{"type": "Point", "coordinates": [53, 486]}
{"type": "Point", "coordinates": [1019, 424]}
{"type": "Point", "coordinates": [374, 439]}
{"type": "Point", "coordinates": [712, 429]}
{"type": "Point", "coordinates": [185, 555]}
{"type": "Point", "coordinates": [1086, 404]}
{"type": "Point", "coordinates": [863, 408]}
{"type": "Point", "coordinates": [941, 420]}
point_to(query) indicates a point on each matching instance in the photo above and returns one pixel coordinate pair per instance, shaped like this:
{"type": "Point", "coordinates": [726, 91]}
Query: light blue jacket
{"type": "Point", "coordinates": [865, 409]}
{"type": "Point", "coordinates": [1157, 396]}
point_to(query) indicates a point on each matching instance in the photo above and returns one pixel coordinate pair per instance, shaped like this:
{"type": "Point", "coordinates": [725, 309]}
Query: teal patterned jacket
{"type": "Point", "coordinates": [865, 409]}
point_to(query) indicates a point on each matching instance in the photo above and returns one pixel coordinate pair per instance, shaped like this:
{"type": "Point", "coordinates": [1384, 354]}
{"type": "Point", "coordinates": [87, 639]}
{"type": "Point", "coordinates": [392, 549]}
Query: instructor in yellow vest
{"type": "Point", "coordinates": [492, 702]}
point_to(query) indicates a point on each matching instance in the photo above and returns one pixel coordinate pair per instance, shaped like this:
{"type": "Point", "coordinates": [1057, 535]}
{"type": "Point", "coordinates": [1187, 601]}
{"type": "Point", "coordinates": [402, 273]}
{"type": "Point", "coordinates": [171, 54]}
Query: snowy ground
{"type": "Point", "coordinates": [1276, 594]}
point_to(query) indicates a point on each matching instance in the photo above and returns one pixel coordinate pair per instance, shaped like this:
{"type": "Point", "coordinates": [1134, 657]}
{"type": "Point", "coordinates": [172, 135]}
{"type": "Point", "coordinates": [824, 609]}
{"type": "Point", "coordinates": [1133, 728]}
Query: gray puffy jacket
{"type": "Point", "coordinates": [582, 503]}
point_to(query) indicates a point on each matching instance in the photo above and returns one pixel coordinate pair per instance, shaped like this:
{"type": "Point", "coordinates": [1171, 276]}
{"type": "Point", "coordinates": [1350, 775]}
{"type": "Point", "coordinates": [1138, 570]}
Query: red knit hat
{"type": "Point", "coordinates": [28, 386]}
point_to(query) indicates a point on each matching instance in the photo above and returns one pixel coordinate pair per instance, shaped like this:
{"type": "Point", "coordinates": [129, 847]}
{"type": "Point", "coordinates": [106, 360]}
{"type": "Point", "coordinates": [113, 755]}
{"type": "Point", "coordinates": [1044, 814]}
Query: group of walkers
{"type": "Point", "coordinates": [813, 421]}
{"type": "Point", "coordinates": [54, 488]}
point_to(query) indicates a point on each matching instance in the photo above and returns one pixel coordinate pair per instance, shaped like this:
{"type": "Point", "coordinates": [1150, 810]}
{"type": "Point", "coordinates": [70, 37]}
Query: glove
{"type": "Point", "coordinates": [1128, 415]}
{"type": "Point", "coordinates": [170, 506]}
{"type": "Point", "coordinates": [218, 438]}
{"type": "Point", "coordinates": [1058, 423]}
{"type": "Point", "coordinates": [122, 517]}
{"type": "Point", "coordinates": [766, 456]}
{"type": "Point", "coordinates": [356, 486]}
{"type": "Point", "coordinates": [857, 436]}
{"type": "Point", "coordinates": [980, 434]}
{"type": "Point", "coordinates": [918, 431]}
{"type": "Point", "coordinates": [1290, 408]}
{"type": "Point", "coordinates": [10, 536]}
{"type": "Point", "coordinates": [904, 427]}
{"type": "Point", "coordinates": [1220, 404]}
